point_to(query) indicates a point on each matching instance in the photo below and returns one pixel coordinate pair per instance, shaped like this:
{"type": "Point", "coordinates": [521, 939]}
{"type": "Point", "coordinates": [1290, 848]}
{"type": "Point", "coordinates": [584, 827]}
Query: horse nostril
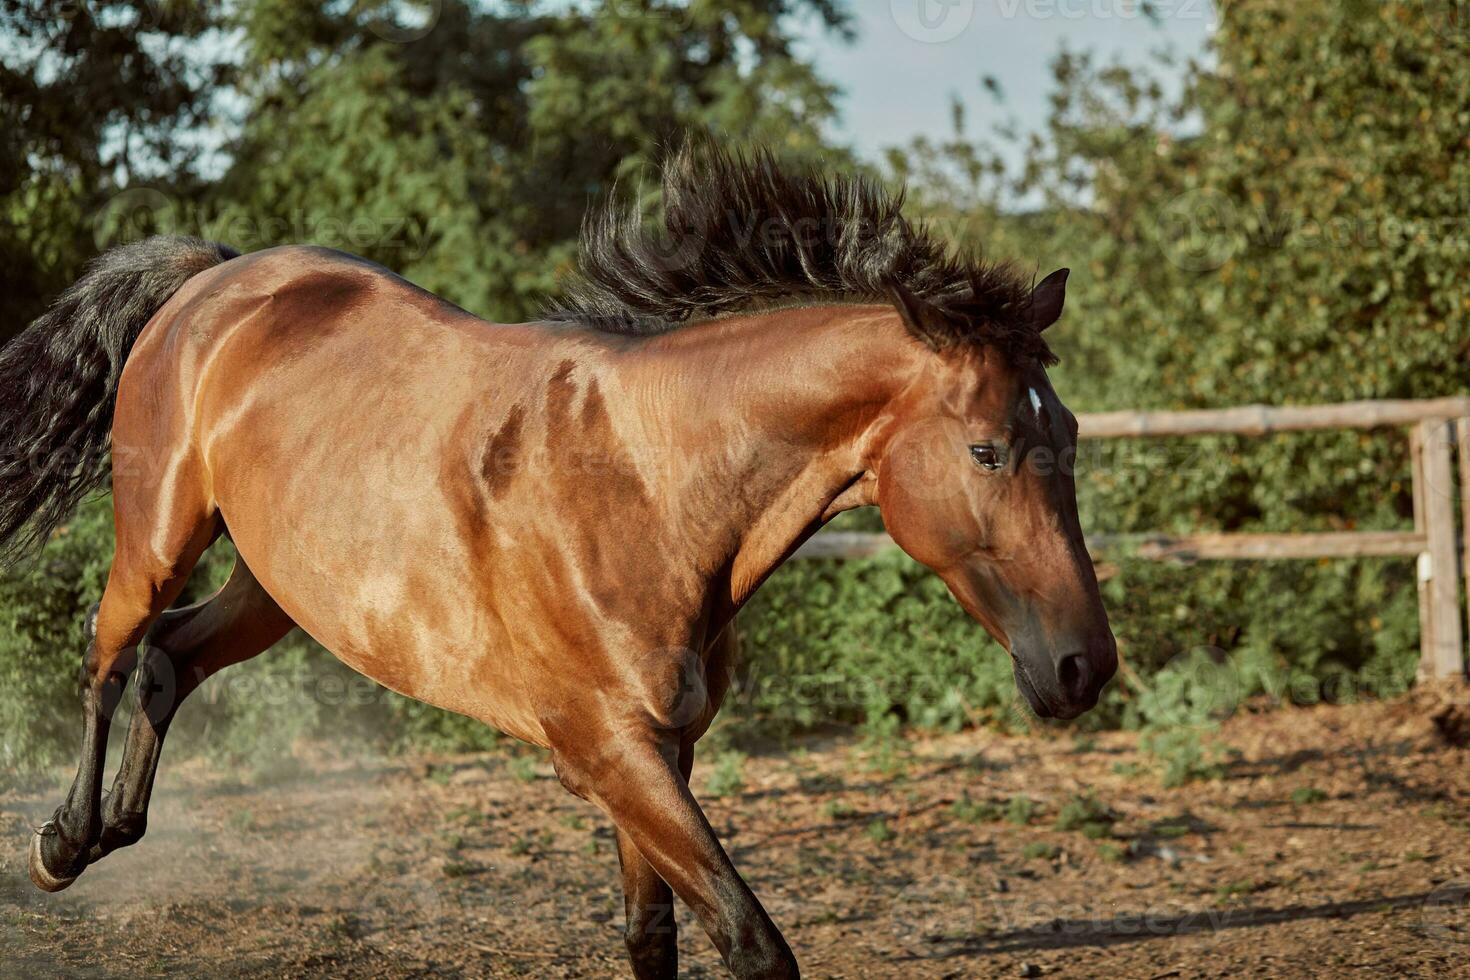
{"type": "Point", "coordinates": [1074, 674]}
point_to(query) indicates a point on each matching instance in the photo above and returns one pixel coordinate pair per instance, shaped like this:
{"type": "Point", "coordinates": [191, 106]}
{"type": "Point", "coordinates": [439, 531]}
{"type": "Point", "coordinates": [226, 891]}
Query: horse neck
{"type": "Point", "coordinates": [778, 414]}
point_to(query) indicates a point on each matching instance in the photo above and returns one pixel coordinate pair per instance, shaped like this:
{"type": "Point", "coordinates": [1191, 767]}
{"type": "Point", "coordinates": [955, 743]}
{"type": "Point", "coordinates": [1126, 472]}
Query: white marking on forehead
{"type": "Point", "coordinates": [1035, 402]}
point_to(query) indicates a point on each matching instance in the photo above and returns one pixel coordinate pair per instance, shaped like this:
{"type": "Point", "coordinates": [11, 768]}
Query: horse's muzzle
{"type": "Point", "coordinates": [1065, 685]}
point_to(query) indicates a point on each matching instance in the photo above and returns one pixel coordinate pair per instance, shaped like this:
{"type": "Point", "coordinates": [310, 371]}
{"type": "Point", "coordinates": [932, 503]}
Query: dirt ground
{"type": "Point", "coordinates": [1338, 842]}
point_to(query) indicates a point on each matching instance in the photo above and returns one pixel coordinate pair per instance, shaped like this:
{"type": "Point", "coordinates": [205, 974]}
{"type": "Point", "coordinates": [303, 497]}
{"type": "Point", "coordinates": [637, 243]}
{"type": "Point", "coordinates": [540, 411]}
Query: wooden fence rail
{"type": "Point", "coordinates": [1439, 429]}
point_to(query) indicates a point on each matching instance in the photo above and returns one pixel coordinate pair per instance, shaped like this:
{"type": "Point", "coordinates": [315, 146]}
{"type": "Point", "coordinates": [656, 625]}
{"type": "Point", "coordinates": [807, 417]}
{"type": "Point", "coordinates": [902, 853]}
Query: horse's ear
{"type": "Point", "coordinates": [1047, 299]}
{"type": "Point", "coordinates": [915, 312]}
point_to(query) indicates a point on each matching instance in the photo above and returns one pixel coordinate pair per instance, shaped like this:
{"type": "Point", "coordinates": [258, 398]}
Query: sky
{"type": "Point", "coordinates": [912, 56]}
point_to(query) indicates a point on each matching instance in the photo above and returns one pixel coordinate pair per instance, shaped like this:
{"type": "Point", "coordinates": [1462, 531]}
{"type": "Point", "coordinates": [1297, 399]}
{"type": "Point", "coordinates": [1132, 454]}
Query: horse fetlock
{"type": "Point", "coordinates": [654, 957]}
{"type": "Point", "coordinates": [115, 836]}
{"type": "Point", "coordinates": [123, 830]}
{"type": "Point", "coordinates": [766, 961]}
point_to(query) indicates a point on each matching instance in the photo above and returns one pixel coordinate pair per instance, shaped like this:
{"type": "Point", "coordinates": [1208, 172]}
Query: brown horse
{"type": "Point", "coordinates": [549, 527]}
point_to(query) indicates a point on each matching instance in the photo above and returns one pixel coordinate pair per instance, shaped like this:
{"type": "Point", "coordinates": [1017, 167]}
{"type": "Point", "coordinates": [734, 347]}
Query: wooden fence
{"type": "Point", "coordinates": [1439, 430]}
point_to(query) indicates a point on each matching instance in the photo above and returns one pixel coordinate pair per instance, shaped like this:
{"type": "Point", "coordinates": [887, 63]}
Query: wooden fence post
{"type": "Point", "coordinates": [1462, 434]}
{"type": "Point", "coordinates": [1422, 565]}
{"type": "Point", "coordinates": [1434, 495]}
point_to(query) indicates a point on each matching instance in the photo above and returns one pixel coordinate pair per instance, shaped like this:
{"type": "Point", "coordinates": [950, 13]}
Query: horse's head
{"type": "Point", "coordinates": [976, 481]}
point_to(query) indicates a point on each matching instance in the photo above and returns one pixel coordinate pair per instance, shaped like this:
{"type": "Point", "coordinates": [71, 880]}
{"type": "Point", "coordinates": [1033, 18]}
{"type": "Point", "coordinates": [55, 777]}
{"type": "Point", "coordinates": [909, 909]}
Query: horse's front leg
{"type": "Point", "coordinates": [632, 772]}
{"type": "Point", "coordinates": [652, 933]}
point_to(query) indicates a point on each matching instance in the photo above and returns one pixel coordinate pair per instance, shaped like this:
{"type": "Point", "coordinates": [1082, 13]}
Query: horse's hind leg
{"type": "Point", "coordinates": [182, 650]}
{"type": "Point", "coordinates": [162, 529]}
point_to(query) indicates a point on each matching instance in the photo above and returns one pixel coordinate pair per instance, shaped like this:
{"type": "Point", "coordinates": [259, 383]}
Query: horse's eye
{"type": "Point", "coordinates": [987, 456]}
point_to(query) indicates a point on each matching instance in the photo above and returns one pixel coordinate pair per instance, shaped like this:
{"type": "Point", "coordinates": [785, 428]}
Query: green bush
{"type": "Point", "coordinates": [43, 606]}
{"type": "Point", "coordinates": [856, 641]}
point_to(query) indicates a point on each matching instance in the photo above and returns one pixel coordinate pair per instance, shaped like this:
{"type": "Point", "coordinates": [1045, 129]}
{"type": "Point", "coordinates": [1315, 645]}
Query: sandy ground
{"type": "Point", "coordinates": [1338, 842]}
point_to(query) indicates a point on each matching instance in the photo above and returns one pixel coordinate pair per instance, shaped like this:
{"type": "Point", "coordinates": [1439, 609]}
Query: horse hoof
{"type": "Point", "coordinates": [40, 877]}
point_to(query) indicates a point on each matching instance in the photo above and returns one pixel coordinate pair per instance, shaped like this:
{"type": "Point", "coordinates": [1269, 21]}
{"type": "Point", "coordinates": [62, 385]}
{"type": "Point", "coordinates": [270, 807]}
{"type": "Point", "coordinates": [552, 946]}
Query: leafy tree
{"type": "Point", "coordinates": [93, 95]}
{"type": "Point", "coordinates": [466, 157]}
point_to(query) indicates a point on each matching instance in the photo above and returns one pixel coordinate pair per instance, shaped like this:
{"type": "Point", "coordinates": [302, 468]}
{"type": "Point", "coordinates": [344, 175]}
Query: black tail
{"type": "Point", "coordinates": [58, 382]}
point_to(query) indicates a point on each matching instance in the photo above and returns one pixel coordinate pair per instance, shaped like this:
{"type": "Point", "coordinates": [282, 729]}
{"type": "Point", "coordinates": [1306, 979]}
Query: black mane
{"type": "Point", "coordinates": [740, 233]}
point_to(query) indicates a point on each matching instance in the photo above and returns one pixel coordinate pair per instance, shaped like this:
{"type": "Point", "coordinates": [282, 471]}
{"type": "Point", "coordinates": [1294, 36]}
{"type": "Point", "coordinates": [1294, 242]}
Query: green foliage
{"type": "Point", "coordinates": [1306, 795]}
{"type": "Point", "coordinates": [727, 774]}
{"type": "Point", "coordinates": [92, 95]}
{"type": "Point", "coordinates": [1040, 851]}
{"type": "Point", "coordinates": [876, 641]}
{"type": "Point", "coordinates": [879, 832]}
{"type": "Point", "coordinates": [967, 810]}
{"type": "Point", "coordinates": [43, 606]}
{"type": "Point", "coordinates": [1183, 754]}
{"type": "Point", "coordinates": [1020, 810]}
{"type": "Point", "coordinates": [465, 159]}
{"type": "Point", "coordinates": [1087, 815]}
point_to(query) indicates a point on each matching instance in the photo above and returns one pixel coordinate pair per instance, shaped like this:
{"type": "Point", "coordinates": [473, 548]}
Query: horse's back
{"type": "Point", "coordinates": [339, 412]}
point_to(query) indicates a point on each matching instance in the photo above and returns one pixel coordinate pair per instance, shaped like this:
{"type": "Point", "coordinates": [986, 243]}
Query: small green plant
{"type": "Point", "coordinates": [1235, 889]}
{"type": "Point", "coordinates": [837, 809]}
{"type": "Point", "coordinates": [879, 832]}
{"type": "Point", "coordinates": [1443, 811]}
{"type": "Point", "coordinates": [1020, 810]}
{"type": "Point", "coordinates": [883, 739]}
{"type": "Point", "coordinates": [1040, 851]}
{"type": "Point", "coordinates": [1112, 853]}
{"type": "Point", "coordinates": [726, 777]}
{"type": "Point", "coordinates": [967, 810]}
{"type": "Point", "coordinates": [1085, 813]}
{"type": "Point", "coordinates": [1171, 827]}
{"type": "Point", "coordinates": [454, 869]}
{"type": "Point", "coordinates": [522, 768]}
{"type": "Point", "coordinates": [1304, 795]}
{"type": "Point", "coordinates": [1183, 755]}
